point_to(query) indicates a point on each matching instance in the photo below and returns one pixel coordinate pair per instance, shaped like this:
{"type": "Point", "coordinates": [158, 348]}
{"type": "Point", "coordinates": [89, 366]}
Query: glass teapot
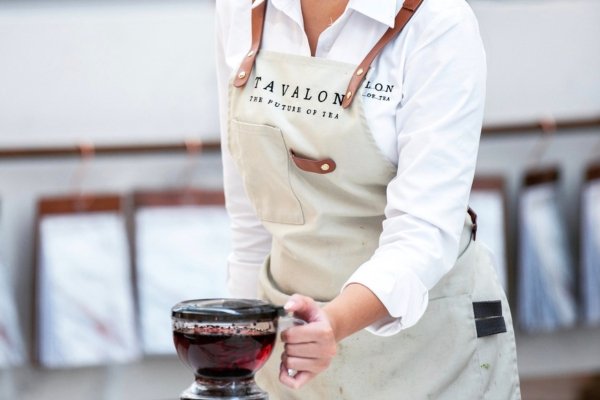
{"type": "Point", "coordinates": [224, 342]}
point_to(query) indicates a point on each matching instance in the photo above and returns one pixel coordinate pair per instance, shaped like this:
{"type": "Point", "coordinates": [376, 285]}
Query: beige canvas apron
{"type": "Point", "coordinates": [318, 182]}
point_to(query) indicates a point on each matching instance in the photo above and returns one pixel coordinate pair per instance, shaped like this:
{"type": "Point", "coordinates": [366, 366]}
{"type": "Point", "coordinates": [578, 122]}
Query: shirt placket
{"type": "Point", "coordinates": [330, 35]}
{"type": "Point", "coordinates": [291, 9]}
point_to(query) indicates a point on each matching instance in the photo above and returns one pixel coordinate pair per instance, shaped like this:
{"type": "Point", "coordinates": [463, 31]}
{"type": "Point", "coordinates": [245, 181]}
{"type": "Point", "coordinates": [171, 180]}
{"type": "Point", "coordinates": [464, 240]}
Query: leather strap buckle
{"type": "Point", "coordinates": [473, 216]}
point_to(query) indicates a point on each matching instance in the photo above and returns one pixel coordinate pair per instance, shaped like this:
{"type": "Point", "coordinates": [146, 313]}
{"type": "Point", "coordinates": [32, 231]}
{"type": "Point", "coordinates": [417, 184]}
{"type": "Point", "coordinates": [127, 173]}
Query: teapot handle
{"type": "Point", "coordinates": [286, 321]}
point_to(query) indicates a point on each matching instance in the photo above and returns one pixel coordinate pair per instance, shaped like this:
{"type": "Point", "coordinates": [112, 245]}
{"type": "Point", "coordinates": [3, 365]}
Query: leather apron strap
{"type": "Point", "coordinates": [258, 22]}
{"type": "Point", "coordinates": [258, 19]}
{"type": "Point", "coordinates": [404, 15]}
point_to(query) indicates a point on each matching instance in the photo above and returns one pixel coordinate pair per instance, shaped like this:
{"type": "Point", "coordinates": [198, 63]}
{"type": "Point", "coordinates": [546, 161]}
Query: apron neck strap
{"type": "Point", "coordinates": [404, 15]}
{"type": "Point", "coordinates": [258, 22]}
{"type": "Point", "coordinates": [258, 19]}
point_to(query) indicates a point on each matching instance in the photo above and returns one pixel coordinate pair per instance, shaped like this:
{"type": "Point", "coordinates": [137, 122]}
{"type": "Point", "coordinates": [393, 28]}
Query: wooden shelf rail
{"type": "Point", "coordinates": [542, 125]}
{"type": "Point", "coordinates": [129, 149]}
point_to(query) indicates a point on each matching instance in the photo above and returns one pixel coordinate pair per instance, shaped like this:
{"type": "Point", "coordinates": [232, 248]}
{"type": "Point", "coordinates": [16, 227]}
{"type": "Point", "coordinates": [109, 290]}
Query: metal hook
{"type": "Point", "coordinates": [193, 146]}
{"type": "Point", "coordinates": [193, 149]}
{"type": "Point", "coordinates": [87, 150]}
{"type": "Point", "coordinates": [548, 126]}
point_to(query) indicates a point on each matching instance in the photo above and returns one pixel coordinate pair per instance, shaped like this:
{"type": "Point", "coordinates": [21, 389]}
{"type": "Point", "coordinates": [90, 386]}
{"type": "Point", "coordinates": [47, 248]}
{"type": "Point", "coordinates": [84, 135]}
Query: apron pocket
{"type": "Point", "coordinates": [261, 156]}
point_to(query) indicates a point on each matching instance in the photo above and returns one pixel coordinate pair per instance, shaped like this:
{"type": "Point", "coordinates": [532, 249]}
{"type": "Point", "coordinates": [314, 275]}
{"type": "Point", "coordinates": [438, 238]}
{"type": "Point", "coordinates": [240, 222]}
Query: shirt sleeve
{"type": "Point", "coordinates": [438, 127]}
{"type": "Point", "coordinates": [250, 240]}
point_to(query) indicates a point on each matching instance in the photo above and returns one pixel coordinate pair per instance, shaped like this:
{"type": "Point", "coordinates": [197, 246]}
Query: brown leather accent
{"type": "Point", "coordinates": [593, 172]}
{"type": "Point", "coordinates": [412, 5]}
{"type": "Point", "coordinates": [324, 166]}
{"type": "Point", "coordinates": [181, 197]}
{"type": "Point", "coordinates": [258, 21]}
{"type": "Point", "coordinates": [490, 182]}
{"type": "Point", "coordinates": [74, 204]}
{"type": "Point", "coordinates": [473, 216]}
{"type": "Point", "coordinates": [542, 175]}
{"type": "Point", "coordinates": [404, 15]}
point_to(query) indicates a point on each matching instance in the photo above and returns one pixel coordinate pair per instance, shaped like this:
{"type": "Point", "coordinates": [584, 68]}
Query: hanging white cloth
{"type": "Point", "coordinates": [85, 298]}
{"type": "Point", "coordinates": [181, 254]}
{"type": "Point", "coordinates": [11, 342]}
{"type": "Point", "coordinates": [491, 229]}
{"type": "Point", "coordinates": [590, 252]}
{"type": "Point", "coordinates": [546, 277]}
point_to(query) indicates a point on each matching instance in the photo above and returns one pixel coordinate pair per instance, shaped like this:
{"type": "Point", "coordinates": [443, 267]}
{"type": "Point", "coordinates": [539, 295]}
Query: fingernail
{"type": "Point", "coordinates": [288, 305]}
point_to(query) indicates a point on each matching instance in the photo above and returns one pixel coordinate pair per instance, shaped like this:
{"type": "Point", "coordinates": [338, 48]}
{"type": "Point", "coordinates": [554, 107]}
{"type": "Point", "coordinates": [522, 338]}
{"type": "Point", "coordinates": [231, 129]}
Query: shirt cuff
{"type": "Point", "coordinates": [401, 291]}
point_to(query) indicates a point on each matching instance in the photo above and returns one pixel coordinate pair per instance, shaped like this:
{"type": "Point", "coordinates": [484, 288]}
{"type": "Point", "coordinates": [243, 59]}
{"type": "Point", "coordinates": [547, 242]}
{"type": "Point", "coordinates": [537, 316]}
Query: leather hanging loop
{"type": "Point", "coordinates": [87, 151]}
{"type": "Point", "coordinates": [548, 126]}
{"type": "Point", "coordinates": [194, 147]}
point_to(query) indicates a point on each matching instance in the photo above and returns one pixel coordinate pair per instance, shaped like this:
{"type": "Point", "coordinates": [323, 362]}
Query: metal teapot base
{"type": "Point", "coordinates": [213, 389]}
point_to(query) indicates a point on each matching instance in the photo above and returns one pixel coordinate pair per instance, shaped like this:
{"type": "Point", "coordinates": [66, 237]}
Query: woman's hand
{"type": "Point", "coordinates": [309, 348]}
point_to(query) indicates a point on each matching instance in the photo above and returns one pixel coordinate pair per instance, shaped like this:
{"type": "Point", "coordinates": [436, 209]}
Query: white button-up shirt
{"type": "Point", "coordinates": [427, 122]}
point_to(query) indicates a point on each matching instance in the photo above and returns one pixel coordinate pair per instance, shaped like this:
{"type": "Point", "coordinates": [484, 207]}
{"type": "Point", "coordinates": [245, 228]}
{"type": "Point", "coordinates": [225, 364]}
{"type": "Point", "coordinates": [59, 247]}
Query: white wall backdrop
{"type": "Point", "coordinates": [543, 58]}
{"type": "Point", "coordinates": [140, 70]}
{"type": "Point", "coordinates": [111, 71]}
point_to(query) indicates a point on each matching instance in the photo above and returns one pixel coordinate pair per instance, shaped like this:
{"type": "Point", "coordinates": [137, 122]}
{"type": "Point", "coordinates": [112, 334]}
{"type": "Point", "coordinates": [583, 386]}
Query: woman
{"type": "Point", "coordinates": [350, 132]}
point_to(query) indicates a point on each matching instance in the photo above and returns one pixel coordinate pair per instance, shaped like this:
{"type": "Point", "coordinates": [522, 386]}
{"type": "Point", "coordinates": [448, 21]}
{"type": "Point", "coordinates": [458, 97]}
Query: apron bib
{"type": "Point", "coordinates": [317, 180]}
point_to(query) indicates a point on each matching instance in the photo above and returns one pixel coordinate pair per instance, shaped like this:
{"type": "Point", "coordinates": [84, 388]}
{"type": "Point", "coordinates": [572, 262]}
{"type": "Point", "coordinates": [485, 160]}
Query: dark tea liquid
{"type": "Point", "coordinates": [224, 354]}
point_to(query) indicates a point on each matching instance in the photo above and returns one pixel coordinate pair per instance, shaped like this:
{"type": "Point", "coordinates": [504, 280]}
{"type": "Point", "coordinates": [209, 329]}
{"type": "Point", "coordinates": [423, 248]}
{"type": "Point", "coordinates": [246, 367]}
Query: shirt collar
{"type": "Point", "coordinates": [383, 11]}
{"type": "Point", "coordinates": [289, 7]}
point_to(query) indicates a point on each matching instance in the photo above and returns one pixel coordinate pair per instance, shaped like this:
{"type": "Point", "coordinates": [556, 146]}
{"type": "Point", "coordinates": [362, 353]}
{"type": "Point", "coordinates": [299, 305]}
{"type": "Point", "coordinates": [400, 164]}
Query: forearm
{"type": "Point", "coordinates": [355, 308]}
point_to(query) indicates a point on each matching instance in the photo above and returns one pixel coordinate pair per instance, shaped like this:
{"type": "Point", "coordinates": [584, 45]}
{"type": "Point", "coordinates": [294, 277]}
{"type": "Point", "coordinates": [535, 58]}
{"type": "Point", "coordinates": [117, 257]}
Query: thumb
{"type": "Point", "coordinates": [303, 307]}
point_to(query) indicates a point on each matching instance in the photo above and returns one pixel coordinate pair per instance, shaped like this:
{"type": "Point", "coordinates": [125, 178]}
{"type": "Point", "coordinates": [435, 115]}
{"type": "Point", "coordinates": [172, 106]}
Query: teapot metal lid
{"type": "Point", "coordinates": [226, 310]}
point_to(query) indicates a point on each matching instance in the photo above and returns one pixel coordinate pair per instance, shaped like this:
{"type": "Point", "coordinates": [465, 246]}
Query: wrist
{"type": "Point", "coordinates": [355, 308]}
{"type": "Point", "coordinates": [334, 321]}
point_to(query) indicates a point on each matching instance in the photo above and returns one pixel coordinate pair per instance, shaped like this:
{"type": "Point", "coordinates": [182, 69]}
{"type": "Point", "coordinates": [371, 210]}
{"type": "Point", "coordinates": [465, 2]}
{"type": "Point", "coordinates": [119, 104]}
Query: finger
{"type": "Point", "coordinates": [297, 335]}
{"type": "Point", "coordinates": [294, 302]}
{"type": "Point", "coordinates": [295, 382]}
{"type": "Point", "coordinates": [314, 365]}
{"type": "Point", "coordinates": [314, 332]}
{"type": "Point", "coordinates": [307, 350]}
